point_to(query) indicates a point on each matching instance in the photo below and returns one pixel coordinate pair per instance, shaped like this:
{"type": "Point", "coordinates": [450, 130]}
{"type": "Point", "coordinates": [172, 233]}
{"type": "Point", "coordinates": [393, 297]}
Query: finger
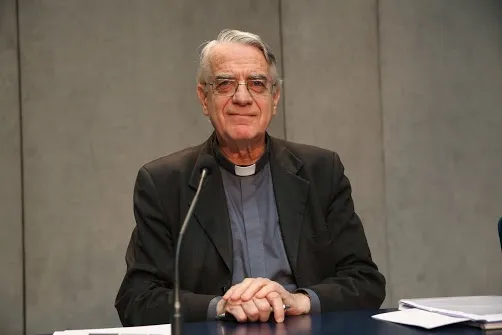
{"type": "Point", "coordinates": [276, 302]}
{"type": "Point", "coordinates": [240, 288]}
{"type": "Point", "coordinates": [227, 294]}
{"type": "Point", "coordinates": [238, 312]}
{"type": "Point", "coordinates": [251, 311]}
{"type": "Point", "coordinates": [254, 287]}
{"type": "Point", "coordinates": [272, 287]}
{"type": "Point", "coordinates": [232, 289]}
{"type": "Point", "coordinates": [264, 309]}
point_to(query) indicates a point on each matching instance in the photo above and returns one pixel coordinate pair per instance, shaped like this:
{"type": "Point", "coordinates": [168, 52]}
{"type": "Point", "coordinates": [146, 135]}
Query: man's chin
{"type": "Point", "coordinates": [243, 135]}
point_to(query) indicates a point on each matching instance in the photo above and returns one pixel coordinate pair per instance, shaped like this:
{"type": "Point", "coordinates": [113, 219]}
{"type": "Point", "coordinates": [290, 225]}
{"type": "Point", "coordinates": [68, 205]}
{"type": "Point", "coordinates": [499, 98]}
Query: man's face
{"type": "Point", "coordinates": [244, 115]}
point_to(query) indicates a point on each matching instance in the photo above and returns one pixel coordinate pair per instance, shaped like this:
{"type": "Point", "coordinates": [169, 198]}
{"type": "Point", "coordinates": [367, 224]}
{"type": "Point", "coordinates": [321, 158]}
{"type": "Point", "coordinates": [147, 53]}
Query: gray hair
{"type": "Point", "coordinates": [239, 37]}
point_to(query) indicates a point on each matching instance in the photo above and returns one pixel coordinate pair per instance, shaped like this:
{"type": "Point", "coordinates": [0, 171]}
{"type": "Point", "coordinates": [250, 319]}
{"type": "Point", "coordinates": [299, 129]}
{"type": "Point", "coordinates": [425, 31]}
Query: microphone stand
{"type": "Point", "coordinates": [177, 315]}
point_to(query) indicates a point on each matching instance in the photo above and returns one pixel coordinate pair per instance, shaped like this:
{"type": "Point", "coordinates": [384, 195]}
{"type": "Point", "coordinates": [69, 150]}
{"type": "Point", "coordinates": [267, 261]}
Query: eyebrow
{"type": "Point", "coordinates": [257, 76]}
{"type": "Point", "coordinates": [224, 76]}
{"type": "Point", "coordinates": [250, 77]}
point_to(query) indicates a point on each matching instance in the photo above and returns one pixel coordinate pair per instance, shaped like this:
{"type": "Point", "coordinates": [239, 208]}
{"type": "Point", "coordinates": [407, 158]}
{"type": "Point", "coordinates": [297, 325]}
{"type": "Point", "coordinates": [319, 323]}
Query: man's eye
{"type": "Point", "coordinates": [257, 83]}
{"type": "Point", "coordinates": [224, 83]}
{"type": "Point", "coordinates": [225, 86]}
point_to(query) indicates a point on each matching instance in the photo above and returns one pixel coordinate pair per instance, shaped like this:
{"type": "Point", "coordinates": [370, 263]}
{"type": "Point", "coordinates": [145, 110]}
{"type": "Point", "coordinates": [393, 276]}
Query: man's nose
{"type": "Point", "coordinates": [242, 96]}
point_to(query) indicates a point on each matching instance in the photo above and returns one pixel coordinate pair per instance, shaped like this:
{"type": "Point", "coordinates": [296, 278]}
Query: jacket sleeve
{"type": "Point", "coordinates": [144, 298]}
{"type": "Point", "coordinates": [356, 282]}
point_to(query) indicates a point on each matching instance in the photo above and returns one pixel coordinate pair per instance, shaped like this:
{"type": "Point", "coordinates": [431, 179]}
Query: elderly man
{"type": "Point", "coordinates": [275, 222]}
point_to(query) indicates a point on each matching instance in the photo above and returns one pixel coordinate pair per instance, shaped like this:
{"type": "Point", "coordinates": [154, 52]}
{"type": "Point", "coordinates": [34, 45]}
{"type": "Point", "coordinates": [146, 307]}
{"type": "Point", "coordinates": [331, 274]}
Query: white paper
{"type": "Point", "coordinates": [476, 308]}
{"type": "Point", "coordinates": [419, 318]}
{"type": "Point", "coordinates": [143, 330]}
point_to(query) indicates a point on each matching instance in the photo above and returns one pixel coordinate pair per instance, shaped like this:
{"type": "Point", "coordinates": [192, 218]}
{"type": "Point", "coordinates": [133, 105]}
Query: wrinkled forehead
{"type": "Point", "coordinates": [238, 61]}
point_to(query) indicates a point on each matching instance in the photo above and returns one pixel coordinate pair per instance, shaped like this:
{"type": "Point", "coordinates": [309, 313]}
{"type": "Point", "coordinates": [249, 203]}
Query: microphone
{"type": "Point", "coordinates": [206, 164]}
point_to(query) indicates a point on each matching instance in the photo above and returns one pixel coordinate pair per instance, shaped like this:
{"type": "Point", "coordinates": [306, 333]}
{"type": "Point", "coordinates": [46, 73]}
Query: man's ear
{"type": "Point", "coordinates": [203, 96]}
{"type": "Point", "coordinates": [276, 97]}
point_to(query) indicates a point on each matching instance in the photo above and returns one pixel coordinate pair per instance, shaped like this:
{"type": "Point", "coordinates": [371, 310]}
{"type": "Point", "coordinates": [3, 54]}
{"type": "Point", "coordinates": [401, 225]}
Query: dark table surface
{"type": "Point", "coordinates": [349, 322]}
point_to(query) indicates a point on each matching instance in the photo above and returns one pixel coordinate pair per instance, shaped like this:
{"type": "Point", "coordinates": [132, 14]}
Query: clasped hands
{"type": "Point", "coordinates": [254, 299]}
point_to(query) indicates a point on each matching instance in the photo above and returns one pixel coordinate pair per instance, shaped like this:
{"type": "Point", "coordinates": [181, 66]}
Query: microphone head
{"type": "Point", "coordinates": [206, 162]}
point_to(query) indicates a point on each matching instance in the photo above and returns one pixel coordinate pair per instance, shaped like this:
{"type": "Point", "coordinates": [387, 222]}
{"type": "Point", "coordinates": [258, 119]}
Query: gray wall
{"type": "Point", "coordinates": [332, 97]}
{"type": "Point", "coordinates": [408, 92]}
{"type": "Point", "coordinates": [442, 120]}
{"type": "Point", "coordinates": [106, 87]}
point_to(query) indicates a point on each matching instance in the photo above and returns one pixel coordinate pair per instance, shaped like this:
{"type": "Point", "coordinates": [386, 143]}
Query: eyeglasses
{"type": "Point", "coordinates": [228, 87]}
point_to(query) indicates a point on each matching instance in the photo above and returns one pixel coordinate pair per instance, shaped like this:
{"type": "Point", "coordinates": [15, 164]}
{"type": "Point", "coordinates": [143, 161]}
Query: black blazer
{"type": "Point", "coordinates": [323, 237]}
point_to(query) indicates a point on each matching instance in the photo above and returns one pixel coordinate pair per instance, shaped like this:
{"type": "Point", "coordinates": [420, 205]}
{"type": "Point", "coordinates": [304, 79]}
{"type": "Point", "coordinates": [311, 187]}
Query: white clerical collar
{"type": "Point", "coordinates": [244, 171]}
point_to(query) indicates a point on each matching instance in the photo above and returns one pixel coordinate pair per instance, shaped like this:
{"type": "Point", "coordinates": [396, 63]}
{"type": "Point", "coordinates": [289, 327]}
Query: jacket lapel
{"type": "Point", "coordinates": [291, 192]}
{"type": "Point", "coordinates": [211, 210]}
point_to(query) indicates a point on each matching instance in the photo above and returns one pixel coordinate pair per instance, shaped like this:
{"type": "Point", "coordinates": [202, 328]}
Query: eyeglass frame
{"type": "Point", "coordinates": [246, 83]}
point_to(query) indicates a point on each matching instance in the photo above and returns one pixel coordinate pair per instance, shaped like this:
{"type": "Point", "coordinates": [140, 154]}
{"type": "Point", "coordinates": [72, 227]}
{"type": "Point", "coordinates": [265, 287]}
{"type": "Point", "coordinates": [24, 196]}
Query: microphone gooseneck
{"type": "Point", "coordinates": [206, 164]}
